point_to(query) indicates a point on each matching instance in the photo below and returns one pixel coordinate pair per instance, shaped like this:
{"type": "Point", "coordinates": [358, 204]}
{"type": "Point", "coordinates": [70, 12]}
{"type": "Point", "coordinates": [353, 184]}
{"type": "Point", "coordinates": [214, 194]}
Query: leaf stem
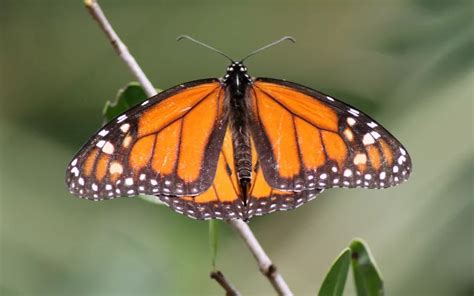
{"type": "Point", "coordinates": [264, 262]}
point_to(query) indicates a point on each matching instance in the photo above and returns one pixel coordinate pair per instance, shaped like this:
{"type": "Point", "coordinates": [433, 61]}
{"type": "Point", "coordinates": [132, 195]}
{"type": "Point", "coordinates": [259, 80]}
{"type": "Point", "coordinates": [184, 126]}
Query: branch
{"type": "Point", "coordinates": [264, 262]}
{"type": "Point", "coordinates": [121, 49]}
{"type": "Point", "coordinates": [220, 278]}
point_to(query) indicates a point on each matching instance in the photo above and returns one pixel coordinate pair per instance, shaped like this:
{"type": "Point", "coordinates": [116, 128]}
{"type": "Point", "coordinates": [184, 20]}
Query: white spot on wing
{"type": "Point", "coordinates": [347, 173]}
{"type": "Point", "coordinates": [75, 171]}
{"type": "Point", "coordinates": [375, 134]}
{"type": "Point", "coordinates": [329, 98]}
{"type": "Point", "coordinates": [372, 124]}
{"type": "Point", "coordinates": [401, 160]}
{"type": "Point", "coordinates": [108, 148]}
{"type": "Point", "coordinates": [116, 168]}
{"type": "Point", "coordinates": [360, 158]}
{"type": "Point", "coordinates": [368, 139]}
{"type": "Point", "coordinates": [103, 133]}
{"type": "Point", "coordinates": [350, 121]}
{"type": "Point", "coordinates": [100, 144]}
{"type": "Point", "coordinates": [354, 112]}
{"type": "Point", "coordinates": [129, 181]}
{"type": "Point", "coordinates": [125, 127]}
{"type": "Point", "coordinates": [121, 118]}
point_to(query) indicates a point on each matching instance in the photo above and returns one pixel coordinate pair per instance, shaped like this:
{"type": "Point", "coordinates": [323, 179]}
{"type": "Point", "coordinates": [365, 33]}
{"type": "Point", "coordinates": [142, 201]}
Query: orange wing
{"type": "Point", "coordinates": [165, 146]}
{"type": "Point", "coordinates": [222, 200]}
{"type": "Point", "coordinates": [306, 140]}
{"type": "Point", "coordinates": [265, 200]}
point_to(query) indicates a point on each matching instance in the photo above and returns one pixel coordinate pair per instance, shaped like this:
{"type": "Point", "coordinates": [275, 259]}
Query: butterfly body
{"type": "Point", "coordinates": [237, 147]}
{"type": "Point", "coordinates": [238, 83]}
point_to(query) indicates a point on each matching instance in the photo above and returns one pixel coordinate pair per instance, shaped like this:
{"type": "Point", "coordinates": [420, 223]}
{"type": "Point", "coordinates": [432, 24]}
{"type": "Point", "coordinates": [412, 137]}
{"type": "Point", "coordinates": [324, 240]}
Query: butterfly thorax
{"type": "Point", "coordinates": [238, 83]}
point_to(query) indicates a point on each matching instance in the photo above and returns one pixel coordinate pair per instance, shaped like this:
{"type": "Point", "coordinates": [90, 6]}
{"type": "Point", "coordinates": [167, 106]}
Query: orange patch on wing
{"type": "Point", "coordinates": [223, 184]}
{"type": "Point", "coordinates": [374, 156]}
{"type": "Point", "coordinates": [228, 157]}
{"type": "Point", "coordinates": [166, 149]}
{"type": "Point", "coordinates": [198, 126]}
{"type": "Point", "coordinates": [89, 163]}
{"type": "Point", "coordinates": [362, 167]}
{"type": "Point", "coordinates": [278, 125]}
{"type": "Point", "coordinates": [348, 134]}
{"type": "Point", "coordinates": [387, 152]}
{"type": "Point", "coordinates": [335, 147]}
{"type": "Point", "coordinates": [302, 105]}
{"type": "Point", "coordinates": [260, 188]}
{"type": "Point", "coordinates": [208, 196]}
{"type": "Point", "coordinates": [141, 152]}
{"type": "Point", "coordinates": [253, 152]}
{"type": "Point", "coordinates": [126, 141]}
{"type": "Point", "coordinates": [172, 108]}
{"type": "Point", "coordinates": [310, 145]}
{"type": "Point", "coordinates": [225, 187]}
{"type": "Point", "coordinates": [101, 168]}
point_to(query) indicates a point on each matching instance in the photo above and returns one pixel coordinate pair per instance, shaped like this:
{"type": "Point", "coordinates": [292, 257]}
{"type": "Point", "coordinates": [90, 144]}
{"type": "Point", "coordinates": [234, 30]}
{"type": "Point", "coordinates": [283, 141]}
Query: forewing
{"type": "Point", "coordinates": [307, 140]}
{"type": "Point", "coordinates": [167, 145]}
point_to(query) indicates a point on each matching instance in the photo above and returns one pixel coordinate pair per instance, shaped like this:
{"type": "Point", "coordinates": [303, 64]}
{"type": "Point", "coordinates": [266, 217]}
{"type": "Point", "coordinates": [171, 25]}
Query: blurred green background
{"type": "Point", "coordinates": [408, 63]}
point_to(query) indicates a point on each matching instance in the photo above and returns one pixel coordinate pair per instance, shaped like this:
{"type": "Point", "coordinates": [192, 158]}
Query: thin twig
{"type": "Point", "coordinates": [121, 49]}
{"type": "Point", "coordinates": [264, 262]}
{"type": "Point", "coordinates": [220, 278]}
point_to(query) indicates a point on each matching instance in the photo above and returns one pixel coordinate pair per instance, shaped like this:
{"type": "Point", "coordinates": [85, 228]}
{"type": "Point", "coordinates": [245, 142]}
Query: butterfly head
{"type": "Point", "coordinates": [237, 73]}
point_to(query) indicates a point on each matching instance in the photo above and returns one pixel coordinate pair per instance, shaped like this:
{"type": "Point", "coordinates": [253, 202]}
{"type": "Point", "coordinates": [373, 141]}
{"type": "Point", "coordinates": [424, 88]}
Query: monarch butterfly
{"type": "Point", "coordinates": [235, 147]}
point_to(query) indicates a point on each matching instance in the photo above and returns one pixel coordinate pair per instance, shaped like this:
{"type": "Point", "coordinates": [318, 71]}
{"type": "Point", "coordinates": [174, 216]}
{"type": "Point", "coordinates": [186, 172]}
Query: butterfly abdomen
{"type": "Point", "coordinates": [239, 125]}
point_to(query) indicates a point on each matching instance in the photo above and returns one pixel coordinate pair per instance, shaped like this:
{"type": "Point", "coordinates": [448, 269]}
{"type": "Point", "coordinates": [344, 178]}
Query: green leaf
{"type": "Point", "coordinates": [213, 240]}
{"type": "Point", "coordinates": [367, 278]}
{"type": "Point", "coordinates": [333, 284]}
{"type": "Point", "coordinates": [127, 97]}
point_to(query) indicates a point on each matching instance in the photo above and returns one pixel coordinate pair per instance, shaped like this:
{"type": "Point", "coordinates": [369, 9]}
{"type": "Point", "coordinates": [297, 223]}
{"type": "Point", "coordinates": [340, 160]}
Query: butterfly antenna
{"type": "Point", "coordinates": [289, 38]}
{"type": "Point", "coordinates": [181, 37]}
